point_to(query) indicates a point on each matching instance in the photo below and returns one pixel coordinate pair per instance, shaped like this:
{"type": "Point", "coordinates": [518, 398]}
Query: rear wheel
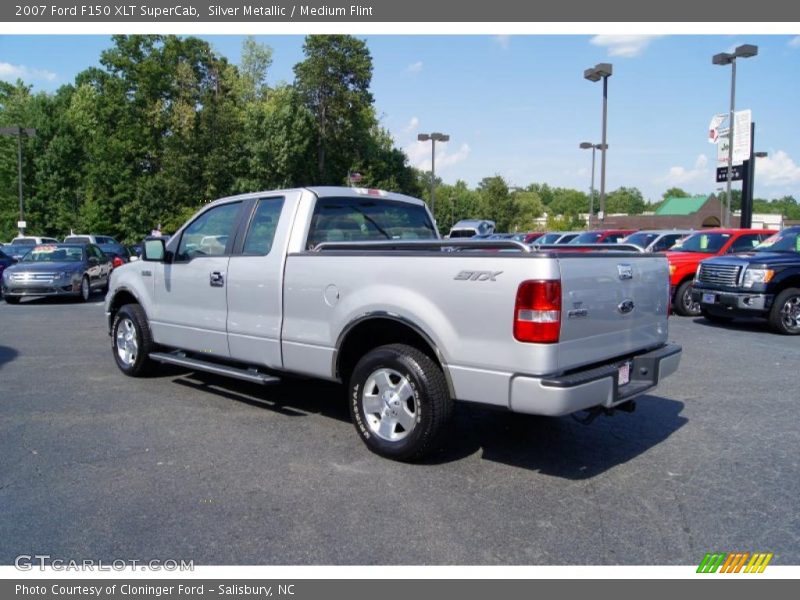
{"type": "Point", "coordinates": [784, 317]}
{"type": "Point", "coordinates": [131, 342]}
{"type": "Point", "coordinates": [12, 299]}
{"type": "Point", "coordinates": [683, 303]}
{"type": "Point", "coordinates": [399, 402]}
{"type": "Point", "coordinates": [709, 316]}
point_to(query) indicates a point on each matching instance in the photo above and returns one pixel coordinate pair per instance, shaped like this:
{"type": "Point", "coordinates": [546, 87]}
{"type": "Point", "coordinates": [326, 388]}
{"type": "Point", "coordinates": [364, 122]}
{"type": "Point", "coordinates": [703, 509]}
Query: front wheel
{"type": "Point", "coordinates": [683, 304]}
{"type": "Point", "coordinates": [11, 299]}
{"type": "Point", "coordinates": [784, 317]}
{"type": "Point", "coordinates": [131, 342]}
{"type": "Point", "coordinates": [399, 402]}
{"type": "Point", "coordinates": [86, 289]}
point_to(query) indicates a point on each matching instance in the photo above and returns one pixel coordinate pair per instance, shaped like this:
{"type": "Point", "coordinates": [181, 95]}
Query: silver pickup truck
{"type": "Point", "coordinates": [354, 285]}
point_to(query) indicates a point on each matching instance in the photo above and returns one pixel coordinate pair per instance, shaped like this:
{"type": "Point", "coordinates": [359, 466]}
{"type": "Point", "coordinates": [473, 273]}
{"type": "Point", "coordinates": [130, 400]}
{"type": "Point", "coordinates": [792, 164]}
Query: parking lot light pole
{"type": "Point", "coordinates": [722, 59]}
{"type": "Point", "coordinates": [16, 130]}
{"type": "Point", "coordinates": [433, 137]}
{"type": "Point", "coordinates": [602, 71]}
{"type": "Point", "coordinates": [594, 147]}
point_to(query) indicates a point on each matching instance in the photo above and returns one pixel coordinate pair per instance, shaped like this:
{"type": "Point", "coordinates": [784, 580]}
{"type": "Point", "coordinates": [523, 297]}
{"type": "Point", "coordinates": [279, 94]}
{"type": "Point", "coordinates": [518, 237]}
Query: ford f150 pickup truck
{"type": "Point", "coordinates": [355, 286]}
{"type": "Point", "coordinates": [685, 256]}
{"type": "Point", "coordinates": [763, 283]}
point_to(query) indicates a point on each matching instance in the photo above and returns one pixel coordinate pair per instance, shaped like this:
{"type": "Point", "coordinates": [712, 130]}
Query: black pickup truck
{"type": "Point", "coordinates": [763, 283]}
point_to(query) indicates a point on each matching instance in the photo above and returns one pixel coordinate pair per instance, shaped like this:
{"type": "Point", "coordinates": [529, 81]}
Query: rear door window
{"type": "Point", "coordinates": [261, 230]}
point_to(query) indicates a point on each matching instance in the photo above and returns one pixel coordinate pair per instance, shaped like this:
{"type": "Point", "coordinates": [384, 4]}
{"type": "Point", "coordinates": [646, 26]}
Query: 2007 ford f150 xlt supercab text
{"type": "Point", "coordinates": [354, 285]}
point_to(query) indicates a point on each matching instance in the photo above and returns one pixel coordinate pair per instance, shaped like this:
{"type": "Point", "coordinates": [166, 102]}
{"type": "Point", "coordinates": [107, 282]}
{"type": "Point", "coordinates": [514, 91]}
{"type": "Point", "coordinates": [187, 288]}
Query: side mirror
{"type": "Point", "coordinates": [154, 250]}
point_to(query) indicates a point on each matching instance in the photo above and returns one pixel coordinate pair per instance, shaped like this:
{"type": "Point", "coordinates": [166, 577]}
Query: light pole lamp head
{"type": "Point", "coordinates": [423, 137]}
{"type": "Point", "coordinates": [761, 154]}
{"type": "Point", "coordinates": [440, 137]}
{"type": "Point", "coordinates": [604, 69]}
{"type": "Point", "coordinates": [591, 75]}
{"type": "Point", "coordinates": [746, 51]}
{"type": "Point", "coordinates": [586, 145]}
{"type": "Point", "coordinates": [723, 58]}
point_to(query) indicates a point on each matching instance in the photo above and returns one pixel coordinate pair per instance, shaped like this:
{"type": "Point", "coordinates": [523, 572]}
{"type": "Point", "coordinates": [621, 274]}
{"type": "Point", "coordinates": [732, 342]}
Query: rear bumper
{"type": "Point", "coordinates": [751, 303]}
{"type": "Point", "coordinates": [556, 396]}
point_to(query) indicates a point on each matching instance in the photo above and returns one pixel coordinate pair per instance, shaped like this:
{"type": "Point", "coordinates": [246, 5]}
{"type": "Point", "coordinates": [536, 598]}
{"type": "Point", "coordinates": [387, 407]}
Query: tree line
{"type": "Point", "coordinates": [165, 124]}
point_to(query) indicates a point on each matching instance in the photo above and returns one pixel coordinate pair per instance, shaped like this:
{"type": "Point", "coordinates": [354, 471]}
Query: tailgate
{"type": "Point", "coordinates": [611, 306]}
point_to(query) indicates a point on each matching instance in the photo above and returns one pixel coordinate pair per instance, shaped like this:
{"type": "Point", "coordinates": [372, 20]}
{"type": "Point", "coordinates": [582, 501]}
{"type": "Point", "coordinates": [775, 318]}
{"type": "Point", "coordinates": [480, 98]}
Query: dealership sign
{"type": "Point", "coordinates": [741, 139]}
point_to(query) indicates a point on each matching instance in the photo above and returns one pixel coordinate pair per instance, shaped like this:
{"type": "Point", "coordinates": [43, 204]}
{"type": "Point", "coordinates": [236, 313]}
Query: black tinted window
{"type": "Point", "coordinates": [368, 219]}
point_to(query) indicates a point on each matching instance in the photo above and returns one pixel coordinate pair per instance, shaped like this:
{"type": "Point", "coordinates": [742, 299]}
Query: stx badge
{"type": "Point", "coordinates": [477, 275]}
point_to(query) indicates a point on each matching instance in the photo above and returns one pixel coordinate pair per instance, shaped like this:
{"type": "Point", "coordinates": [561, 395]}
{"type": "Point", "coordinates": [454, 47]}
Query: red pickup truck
{"type": "Point", "coordinates": [687, 254]}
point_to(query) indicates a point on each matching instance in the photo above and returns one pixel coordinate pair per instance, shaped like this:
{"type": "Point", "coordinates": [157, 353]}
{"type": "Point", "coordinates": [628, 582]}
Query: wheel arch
{"type": "Point", "coordinates": [122, 296]}
{"type": "Point", "coordinates": [378, 329]}
{"type": "Point", "coordinates": [792, 281]}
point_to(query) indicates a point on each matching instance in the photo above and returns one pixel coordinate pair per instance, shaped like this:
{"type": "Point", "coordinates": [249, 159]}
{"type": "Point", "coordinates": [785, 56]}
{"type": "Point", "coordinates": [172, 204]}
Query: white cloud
{"type": "Point", "coordinates": [504, 41]}
{"type": "Point", "coordinates": [777, 169]}
{"type": "Point", "coordinates": [419, 155]}
{"type": "Point", "coordinates": [413, 125]}
{"type": "Point", "coordinates": [414, 67]}
{"type": "Point", "coordinates": [9, 72]}
{"type": "Point", "coordinates": [626, 46]}
{"type": "Point", "coordinates": [795, 42]}
{"type": "Point", "coordinates": [699, 173]}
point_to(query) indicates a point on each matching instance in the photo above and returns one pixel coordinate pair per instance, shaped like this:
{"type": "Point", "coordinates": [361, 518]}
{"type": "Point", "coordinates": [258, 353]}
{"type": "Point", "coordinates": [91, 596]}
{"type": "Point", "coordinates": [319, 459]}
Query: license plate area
{"type": "Point", "coordinates": [709, 298]}
{"type": "Point", "coordinates": [624, 374]}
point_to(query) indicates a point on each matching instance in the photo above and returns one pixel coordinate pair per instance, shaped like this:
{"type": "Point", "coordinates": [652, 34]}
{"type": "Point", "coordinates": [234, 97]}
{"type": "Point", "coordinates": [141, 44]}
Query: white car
{"type": "Point", "coordinates": [32, 240]}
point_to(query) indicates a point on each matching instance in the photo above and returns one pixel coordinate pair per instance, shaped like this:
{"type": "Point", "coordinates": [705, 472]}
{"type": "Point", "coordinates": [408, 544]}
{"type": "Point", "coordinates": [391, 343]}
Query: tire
{"type": "Point", "coordinates": [784, 317]}
{"type": "Point", "coordinates": [86, 290]}
{"type": "Point", "coordinates": [11, 299]}
{"type": "Point", "coordinates": [709, 316]}
{"type": "Point", "coordinates": [399, 402]}
{"type": "Point", "coordinates": [131, 342]}
{"type": "Point", "coordinates": [683, 304]}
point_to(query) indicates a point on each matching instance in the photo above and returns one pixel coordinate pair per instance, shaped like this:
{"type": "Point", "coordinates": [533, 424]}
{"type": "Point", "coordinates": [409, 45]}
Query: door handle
{"type": "Point", "coordinates": [217, 279]}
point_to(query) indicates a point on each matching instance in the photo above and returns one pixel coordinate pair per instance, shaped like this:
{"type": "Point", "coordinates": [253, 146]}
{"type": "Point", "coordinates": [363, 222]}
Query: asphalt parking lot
{"type": "Point", "coordinates": [186, 465]}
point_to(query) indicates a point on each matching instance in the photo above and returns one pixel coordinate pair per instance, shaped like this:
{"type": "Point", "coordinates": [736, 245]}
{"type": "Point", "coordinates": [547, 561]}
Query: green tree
{"type": "Point", "coordinates": [675, 192]}
{"type": "Point", "coordinates": [496, 201]}
{"type": "Point", "coordinates": [527, 208]}
{"type": "Point", "coordinates": [334, 81]}
{"type": "Point", "coordinates": [626, 201]}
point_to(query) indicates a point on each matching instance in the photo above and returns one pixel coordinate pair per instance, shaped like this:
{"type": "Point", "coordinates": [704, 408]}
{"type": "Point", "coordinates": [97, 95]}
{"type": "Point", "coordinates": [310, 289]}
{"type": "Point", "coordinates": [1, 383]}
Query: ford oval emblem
{"type": "Point", "coordinates": [626, 306]}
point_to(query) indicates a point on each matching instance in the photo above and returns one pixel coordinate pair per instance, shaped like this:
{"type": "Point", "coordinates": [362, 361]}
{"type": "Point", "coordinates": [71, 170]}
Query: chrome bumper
{"type": "Point", "coordinates": [599, 386]}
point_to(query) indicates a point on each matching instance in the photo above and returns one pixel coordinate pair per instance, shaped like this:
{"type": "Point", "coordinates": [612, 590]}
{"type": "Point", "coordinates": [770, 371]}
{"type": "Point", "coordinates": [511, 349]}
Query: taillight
{"type": "Point", "coordinates": [117, 262]}
{"type": "Point", "coordinates": [537, 311]}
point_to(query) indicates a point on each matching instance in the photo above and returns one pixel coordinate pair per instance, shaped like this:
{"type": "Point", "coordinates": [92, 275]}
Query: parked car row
{"type": "Point", "coordinates": [57, 269]}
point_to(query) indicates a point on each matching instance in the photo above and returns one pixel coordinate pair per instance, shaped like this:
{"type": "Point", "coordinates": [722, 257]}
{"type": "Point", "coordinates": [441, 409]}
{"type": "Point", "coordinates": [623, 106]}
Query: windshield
{"type": "Point", "coordinates": [548, 238]}
{"type": "Point", "coordinates": [373, 219]}
{"type": "Point", "coordinates": [590, 237]}
{"type": "Point", "coordinates": [54, 253]}
{"type": "Point", "coordinates": [785, 241]}
{"type": "Point", "coordinates": [78, 239]}
{"type": "Point", "coordinates": [707, 243]}
{"type": "Point", "coordinates": [643, 240]}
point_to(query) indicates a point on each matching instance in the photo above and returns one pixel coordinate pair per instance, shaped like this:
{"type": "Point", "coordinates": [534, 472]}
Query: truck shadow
{"type": "Point", "coordinates": [561, 447]}
{"type": "Point", "coordinates": [290, 397]}
{"type": "Point", "coordinates": [7, 355]}
{"type": "Point", "coordinates": [759, 326]}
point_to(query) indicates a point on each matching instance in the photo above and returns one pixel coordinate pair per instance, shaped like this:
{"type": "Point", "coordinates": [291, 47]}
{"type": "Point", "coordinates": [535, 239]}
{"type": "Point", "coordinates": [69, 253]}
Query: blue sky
{"type": "Point", "coordinates": [519, 106]}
